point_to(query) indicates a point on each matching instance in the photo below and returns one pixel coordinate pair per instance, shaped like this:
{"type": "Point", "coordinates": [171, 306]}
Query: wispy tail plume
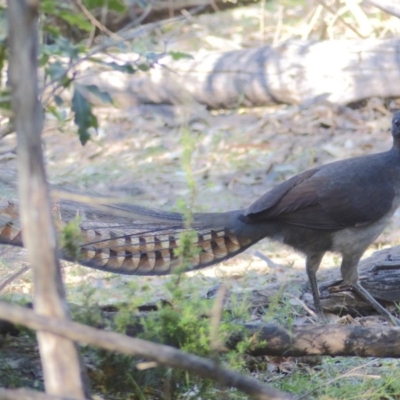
{"type": "Point", "coordinates": [128, 239]}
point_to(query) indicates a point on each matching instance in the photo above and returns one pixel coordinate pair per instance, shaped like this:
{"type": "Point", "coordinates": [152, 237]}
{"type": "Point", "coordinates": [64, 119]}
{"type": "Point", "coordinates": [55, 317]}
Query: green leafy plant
{"type": "Point", "coordinates": [71, 238]}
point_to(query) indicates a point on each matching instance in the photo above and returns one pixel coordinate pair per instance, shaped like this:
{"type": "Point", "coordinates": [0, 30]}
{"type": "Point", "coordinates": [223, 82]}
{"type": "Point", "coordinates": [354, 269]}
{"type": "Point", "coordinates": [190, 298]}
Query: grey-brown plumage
{"type": "Point", "coordinates": [340, 207]}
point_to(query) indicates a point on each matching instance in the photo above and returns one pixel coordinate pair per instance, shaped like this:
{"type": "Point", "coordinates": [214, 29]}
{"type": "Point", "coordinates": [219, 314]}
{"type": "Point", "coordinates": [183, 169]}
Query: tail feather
{"type": "Point", "coordinates": [10, 231]}
{"type": "Point", "coordinates": [152, 252]}
{"type": "Point", "coordinates": [144, 244]}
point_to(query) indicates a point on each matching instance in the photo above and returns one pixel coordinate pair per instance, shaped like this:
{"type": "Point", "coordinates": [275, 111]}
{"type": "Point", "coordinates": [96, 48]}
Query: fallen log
{"type": "Point", "coordinates": [295, 72]}
{"type": "Point", "coordinates": [265, 339]}
{"type": "Point", "coordinates": [332, 340]}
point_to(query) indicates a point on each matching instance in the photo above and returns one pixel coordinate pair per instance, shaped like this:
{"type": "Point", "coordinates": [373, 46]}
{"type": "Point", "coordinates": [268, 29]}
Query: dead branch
{"type": "Point", "coordinates": [328, 340]}
{"type": "Point", "coordinates": [13, 277]}
{"type": "Point", "coordinates": [162, 354]}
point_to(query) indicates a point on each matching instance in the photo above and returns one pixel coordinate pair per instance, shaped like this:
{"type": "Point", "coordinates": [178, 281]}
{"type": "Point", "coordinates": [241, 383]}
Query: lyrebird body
{"type": "Point", "coordinates": [340, 207]}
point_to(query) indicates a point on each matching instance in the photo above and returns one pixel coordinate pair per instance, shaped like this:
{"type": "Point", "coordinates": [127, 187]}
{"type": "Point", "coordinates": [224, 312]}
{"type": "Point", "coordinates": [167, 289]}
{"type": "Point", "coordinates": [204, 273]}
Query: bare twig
{"type": "Point", "coordinates": [279, 25]}
{"type": "Point", "coordinates": [332, 11]}
{"type": "Point", "coordinates": [95, 22]}
{"type": "Point", "coordinates": [359, 15]}
{"type": "Point", "coordinates": [14, 276]}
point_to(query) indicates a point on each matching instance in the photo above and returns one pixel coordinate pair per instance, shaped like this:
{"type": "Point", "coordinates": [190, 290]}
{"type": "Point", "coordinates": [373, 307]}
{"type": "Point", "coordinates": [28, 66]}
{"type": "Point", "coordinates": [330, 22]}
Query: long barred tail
{"type": "Point", "coordinates": [142, 241]}
{"type": "Point", "coordinates": [152, 251]}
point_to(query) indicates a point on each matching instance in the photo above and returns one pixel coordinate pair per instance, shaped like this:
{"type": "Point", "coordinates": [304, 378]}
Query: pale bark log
{"type": "Point", "coordinates": [296, 72]}
{"type": "Point", "coordinates": [60, 359]}
{"type": "Point", "coordinates": [329, 340]}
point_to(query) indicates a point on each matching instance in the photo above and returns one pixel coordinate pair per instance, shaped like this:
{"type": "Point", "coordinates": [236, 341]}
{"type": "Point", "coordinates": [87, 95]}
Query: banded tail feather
{"type": "Point", "coordinates": [142, 247]}
{"type": "Point", "coordinates": [153, 253]}
{"type": "Point", "coordinates": [10, 230]}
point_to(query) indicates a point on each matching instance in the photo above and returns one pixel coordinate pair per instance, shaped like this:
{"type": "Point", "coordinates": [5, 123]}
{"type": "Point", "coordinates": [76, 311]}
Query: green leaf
{"type": "Point", "coordinates": [66, 47]}
{"type": "Point", "coordinates": [60, 115]}
{"type": "Point", "coordinates": [127, 67]}
{"type": "Point", "coordinates": [47, 7]}
{"type": "Point", "coordinates": [115, 5]}
{"type": "Point", "coordinates": [84, 118]}
{"type": "Point", "coordinates": [5, 99]}
{"type": "Point", "coordinates": [64, 11]}
{"type": "Point", "coordinates": [56, 70]}
{"type": "Point", "coordinates": [76, 20]}
{"type": "Point", "coordinates": [53, 30]}
{"type": "Point", "coordinates": [71, 238]}
{"type": "Point", "coordinates": [66, 81]}
{"type": "Point", "coordinates": [62, 46]}
{"type": "Point", "coordinates": [105, 97]}
{"type": "Point", "coordinates": [177, 55]}
{"type": "Point", "coordinates": [43, 59]}
{"type": "Point", "coordinates": [143, 67]}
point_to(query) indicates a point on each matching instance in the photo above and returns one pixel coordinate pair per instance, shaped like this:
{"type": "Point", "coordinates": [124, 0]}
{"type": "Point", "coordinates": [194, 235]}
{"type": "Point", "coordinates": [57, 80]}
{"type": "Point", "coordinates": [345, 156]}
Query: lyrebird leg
{"type": "Point", "coordinates": [312, 264]}
{"type": "Point", "coordinates": [349, 273]}
{"type": "Point", "coordinates": [369, 299]}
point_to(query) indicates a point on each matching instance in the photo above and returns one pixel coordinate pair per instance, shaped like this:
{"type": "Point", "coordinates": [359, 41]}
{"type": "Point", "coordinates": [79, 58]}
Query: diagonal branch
{"type": "Point", "coordinates": [162, 354]}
